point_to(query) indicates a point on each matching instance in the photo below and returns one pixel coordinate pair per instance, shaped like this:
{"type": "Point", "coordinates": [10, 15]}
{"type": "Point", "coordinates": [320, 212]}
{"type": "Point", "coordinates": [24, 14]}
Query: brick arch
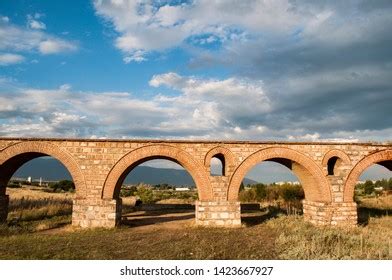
{"type": "Point", "coordinates": [228, 156]}
{"type": "Point", "coordinates": [14, 156]}
{"type": "Point", "coordinates": [316, 186]}
{"type": "Point", "coordinates": [381, 157]}
{"type": "Point", "coordinates": [335, 153]}
{"type": "Point", "coordinates": [121, 169]}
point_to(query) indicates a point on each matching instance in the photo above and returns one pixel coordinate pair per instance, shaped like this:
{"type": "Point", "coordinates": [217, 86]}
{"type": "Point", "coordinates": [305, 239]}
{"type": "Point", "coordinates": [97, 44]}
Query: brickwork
{"type": "Point", "coordinates": [311, 176]}
{"type": "Point", "coordinates": [327, 171]}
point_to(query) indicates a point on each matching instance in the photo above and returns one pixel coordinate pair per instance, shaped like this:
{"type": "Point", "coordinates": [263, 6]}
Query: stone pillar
{"type": "Point", "coordinates": [4, 201]}
{"type": "Point", "coordinates": [218, 213]}
{"type": "Point", "coordinates": [96, 212]}
{"type": "Point", "coordinates": [335, 213]}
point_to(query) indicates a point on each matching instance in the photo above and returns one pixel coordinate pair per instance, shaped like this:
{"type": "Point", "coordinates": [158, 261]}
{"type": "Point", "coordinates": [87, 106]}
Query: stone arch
{"type": "Point", "coordinates": [383, 158]}
{"type": "Point", "coordinates": [14, 156]}
{"type": "Point", "coordinates": [316, 186]}
{"type": "Point", "coordinates": [228, 158]}
{"type": "Point", "coordinates": [335, 158]}
{"type": "Point", "coordinates": [121, 169]}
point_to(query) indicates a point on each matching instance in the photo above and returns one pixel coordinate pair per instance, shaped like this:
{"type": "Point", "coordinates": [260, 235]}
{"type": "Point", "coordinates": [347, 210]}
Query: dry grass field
{"type": "Point", "coordinates": [39, 228]}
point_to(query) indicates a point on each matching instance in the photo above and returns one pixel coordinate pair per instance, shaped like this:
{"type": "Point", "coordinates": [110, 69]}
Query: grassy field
{"type": "Point", "coordinates": [172, 235]}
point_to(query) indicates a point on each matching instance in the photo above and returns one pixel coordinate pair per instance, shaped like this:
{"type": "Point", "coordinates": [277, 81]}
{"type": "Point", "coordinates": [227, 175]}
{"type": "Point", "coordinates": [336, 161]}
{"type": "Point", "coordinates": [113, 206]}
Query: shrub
{"type": "Point", "coordinates": [292, 192]}
{"type": "Point", "coordinates": [146, 195]}
{"type": "Point", "coordinates": [13, 185]}
{"type": "Point", "coordinates": [63, 186]}
{"type": "Point", "coordinates": [261, 192]}
{"type": "Point", "coordinates": [128, 191]}
{"type": "Point", "coordinates": [368, 187]}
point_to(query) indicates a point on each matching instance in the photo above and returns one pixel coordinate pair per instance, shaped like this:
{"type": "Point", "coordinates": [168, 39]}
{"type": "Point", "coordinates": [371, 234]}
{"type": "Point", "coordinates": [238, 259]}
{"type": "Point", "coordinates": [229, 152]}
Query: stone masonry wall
{"type": "Point", "coordinates": [91, 161]}
{"type": "Point", "coordinates": [330, 214]}
{"type": "Point", "coordinates": [92, 213]}
{"type": "Point", "coordinates": [218, 213]}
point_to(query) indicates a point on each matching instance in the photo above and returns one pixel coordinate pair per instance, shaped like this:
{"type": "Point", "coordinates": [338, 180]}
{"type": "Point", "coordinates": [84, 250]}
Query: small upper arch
{"type": "Point", "coordinates": [333, 160]}
{"type": "Point", "coordinates": [223, 154]}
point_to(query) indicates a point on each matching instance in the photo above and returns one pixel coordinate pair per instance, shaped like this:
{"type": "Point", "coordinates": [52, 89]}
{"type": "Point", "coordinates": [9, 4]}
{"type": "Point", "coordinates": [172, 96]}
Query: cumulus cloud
{"type": "Point", "coordinates": [299, 70]}
{"type": "Point", "coordinates": [52, 46]}
{"type": "Point", "coordinates": [233, 108]}
{"type": "Point", "coordinates": [10, 58]}
{"type": "Point", "coordinates": [34, 23]}
{"type": "Point", "coordinates": [196, 111]}
{"type": "Point", "coordinates": [21, 39]}
{"type": "Point", "coordinates": [152, 26]}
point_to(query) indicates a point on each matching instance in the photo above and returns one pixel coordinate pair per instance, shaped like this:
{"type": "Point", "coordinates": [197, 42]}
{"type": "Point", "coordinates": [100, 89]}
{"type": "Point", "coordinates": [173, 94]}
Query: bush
{"type": "Point", "coordinates": [146, 195]}
{"type": "Point", "coordinates": [261, 192]}
{"type": "Point", "coordinates": [368, 187]}
{"type": "Point", "coordinates": [13, 185]}
{"type": "Point", "coordinates": [292, 192]}
{"type": "Point", "coordinates": [128, 191]}
{"type": "Point", "coordinates": [63, 186]}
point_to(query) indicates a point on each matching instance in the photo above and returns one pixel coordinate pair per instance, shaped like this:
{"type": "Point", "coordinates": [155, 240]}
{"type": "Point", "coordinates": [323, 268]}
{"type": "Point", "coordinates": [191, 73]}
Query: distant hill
{"type": "Point", "coordinates": [52, 170]}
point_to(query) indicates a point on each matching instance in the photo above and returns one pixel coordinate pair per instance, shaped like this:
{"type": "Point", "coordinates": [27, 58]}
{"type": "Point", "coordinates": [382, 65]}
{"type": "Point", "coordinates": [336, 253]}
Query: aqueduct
{"type": "Point", "coordinates": [328, 173]}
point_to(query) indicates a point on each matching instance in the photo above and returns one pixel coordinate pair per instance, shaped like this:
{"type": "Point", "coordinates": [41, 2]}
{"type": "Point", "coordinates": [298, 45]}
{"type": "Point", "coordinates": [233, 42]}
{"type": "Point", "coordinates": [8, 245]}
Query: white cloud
{"type": "Point", "coordinates": [20, 39]}
{"type": "Point", "coordinates": [51, 46]}
{"type": "Point", "coordinates": [10, 58]}
{"type": "Point", "coordinates": [197, 110]}
{"type": "Point", "coordinates": [145, 26]}
{"type": "Point", "coordinates": [34, 23]}
{"type": "Point", "coordinates": [232, 108]}
{"type": "Point", "coordinates": [4, 19]}
{"type": "Point", "coordinates": [137, 56]}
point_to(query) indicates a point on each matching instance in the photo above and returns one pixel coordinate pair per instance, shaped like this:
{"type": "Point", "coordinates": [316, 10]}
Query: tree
{"type": "Point", "coordinates": [146, 195]}
{"type": "Point", "coordinates": [261, 192]}
{"type": "Point", "coordinates": [368, 187]}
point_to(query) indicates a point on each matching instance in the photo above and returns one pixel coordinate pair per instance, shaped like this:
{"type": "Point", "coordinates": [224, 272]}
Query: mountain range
{"type": "Point", "coordinates": [52, 170]}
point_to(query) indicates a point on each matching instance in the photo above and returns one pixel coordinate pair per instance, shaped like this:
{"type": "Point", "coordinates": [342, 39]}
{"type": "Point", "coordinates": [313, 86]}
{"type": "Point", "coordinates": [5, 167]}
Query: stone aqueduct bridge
{"type": "Point", "coordinates": [328, 173]}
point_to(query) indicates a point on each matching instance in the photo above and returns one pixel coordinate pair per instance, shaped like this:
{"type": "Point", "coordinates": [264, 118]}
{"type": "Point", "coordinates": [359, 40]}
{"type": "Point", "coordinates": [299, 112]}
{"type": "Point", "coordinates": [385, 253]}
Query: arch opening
{"type": "Point", "coordinates": [156, 190]}
{"type": "Point", "coordinates": [314, 183]}
{"type": "Point", "coordinates": [148, 162]}
{"type": "Point", "coordinates": [134, 158]}
{"type": "Point", "coordinates": [315, 186]}
{"type": "Point", "coordinates": [333, 165]}
{"type": "Point", "coordinates": [381, 158]}
{"type": "Point", "coordinates": [141, 155]}
{"type": "Point", "coordinates": [270, 188]}
{"type": "Point", "coordinates": [218, 165]}
{"type": "Point", "coordinates": [373, 192]}
{"type": "Point", "coordinates": [39, 191]}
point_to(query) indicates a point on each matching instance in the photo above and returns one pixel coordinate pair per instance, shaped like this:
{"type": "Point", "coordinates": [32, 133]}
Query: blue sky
{"type": "Point", "coordinates": [261, 70]}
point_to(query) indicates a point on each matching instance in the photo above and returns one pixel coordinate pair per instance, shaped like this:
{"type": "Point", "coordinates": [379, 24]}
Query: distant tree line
{"type": "Point", "coordinates": [151, 194]}
{"type": "Point", "coordinates": [268, 192]}
{"type": "Point", "coordinates": [60, 186]}
{"type": "Point", "coordinates": [374, 188]}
